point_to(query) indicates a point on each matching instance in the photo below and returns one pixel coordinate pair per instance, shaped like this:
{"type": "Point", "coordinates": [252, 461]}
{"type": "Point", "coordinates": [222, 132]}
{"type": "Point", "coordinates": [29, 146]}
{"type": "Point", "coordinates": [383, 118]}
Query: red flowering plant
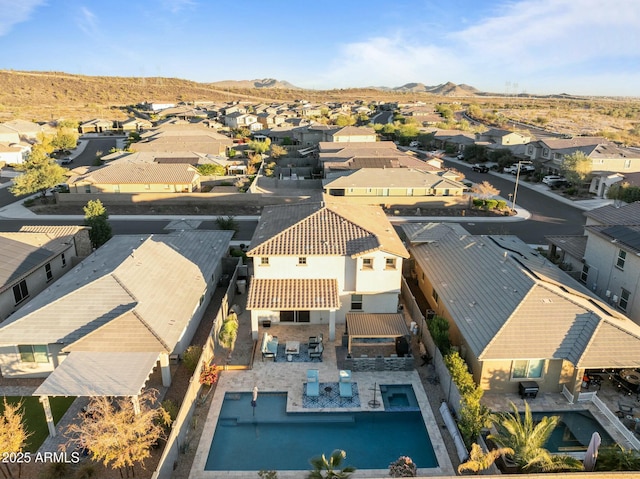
{"type": "Point", "coordinates": [209, 375]}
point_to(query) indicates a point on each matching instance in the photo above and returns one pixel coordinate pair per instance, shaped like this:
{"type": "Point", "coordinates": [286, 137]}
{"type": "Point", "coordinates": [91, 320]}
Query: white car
{"type": "Point", "coordinates": [552, 179]}
{"type": "Point", "coordinates": [415, 144]}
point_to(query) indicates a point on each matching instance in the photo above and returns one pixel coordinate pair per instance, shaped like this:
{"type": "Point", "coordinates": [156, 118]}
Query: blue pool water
{"type": "Point", "coordinates": [399, 397]}
{"type": "Point", "coordinates": [573, 432]}
{"type": "Point", "coordinates": [273, 439]}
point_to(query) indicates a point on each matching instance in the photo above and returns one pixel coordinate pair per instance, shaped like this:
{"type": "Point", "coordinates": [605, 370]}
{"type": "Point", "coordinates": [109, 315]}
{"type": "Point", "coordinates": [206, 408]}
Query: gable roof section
{"type": "Point", "coordinates": [627, 237]}
{"type": "Point", "coordinates": [160, 279]}
{"type": "Point", "coordinates": [23, 252]}
{"type": "Point", "coordinates": [139, 173]}
{"type": "Point", "coordinates": [392, 178]}
{"type": "Point", "coordinates": [324, 229]}
{"type": "Point", "coordinates": [616, 215]}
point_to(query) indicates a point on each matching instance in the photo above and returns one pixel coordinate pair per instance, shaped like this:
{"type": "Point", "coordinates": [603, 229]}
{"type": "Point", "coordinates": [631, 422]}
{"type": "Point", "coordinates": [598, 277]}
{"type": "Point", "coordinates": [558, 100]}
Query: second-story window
{"type": "Point", "coordinates": [367, 263]}
{"type": "Point", "coordinates": [390, 263]}
{"type": "Point", "coordinates": [434, 295]}
{"type": "Point", "coordinates": [264, 261]}
{"type": "Point", "coordinates": [47, 270]}
{"type": "Point", "coordinates": [64, 260]}
{"type": "Point", "coordinates": [302, 261]}
{"type": "Point", "coordinates": [622, 258]}
{"type": "Point", "coordinates": [20, 291]}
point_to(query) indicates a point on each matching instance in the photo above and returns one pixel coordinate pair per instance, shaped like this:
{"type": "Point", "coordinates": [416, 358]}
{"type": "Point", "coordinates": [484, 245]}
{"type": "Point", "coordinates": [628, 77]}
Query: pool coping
{"type": "Point", "coordinates": [282, 377]}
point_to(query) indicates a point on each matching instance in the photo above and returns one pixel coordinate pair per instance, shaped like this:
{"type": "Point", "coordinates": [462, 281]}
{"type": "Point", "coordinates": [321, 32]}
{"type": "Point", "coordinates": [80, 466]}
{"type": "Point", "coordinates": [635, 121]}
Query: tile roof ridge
{"type": "Point", "coordinates": [151, 330]}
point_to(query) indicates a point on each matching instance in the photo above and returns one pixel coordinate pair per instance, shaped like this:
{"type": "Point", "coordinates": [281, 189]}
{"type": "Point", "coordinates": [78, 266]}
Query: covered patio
{"type": "Point", "coordinates": [370, 328]}
{"type": "Point", "coordinates": [84, 373]}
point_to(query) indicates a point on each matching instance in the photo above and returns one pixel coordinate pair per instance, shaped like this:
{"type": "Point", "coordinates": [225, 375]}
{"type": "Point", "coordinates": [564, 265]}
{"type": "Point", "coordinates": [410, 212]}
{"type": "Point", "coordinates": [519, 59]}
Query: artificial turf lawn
{"type": "Point", "coordinates": [33, 416]}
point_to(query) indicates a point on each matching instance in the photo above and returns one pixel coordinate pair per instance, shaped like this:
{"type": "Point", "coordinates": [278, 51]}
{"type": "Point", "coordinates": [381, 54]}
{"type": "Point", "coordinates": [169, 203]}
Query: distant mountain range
{"type": "Point", "coordinates": [444, 89]}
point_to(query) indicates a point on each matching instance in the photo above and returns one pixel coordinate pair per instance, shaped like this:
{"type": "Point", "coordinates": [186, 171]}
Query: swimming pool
{"type": "Point", "coordinates": [399, 397]}
{"type": "Point", "coordinates": [573, 432]}
{"type": "Point", "coordinates": [269, 438]}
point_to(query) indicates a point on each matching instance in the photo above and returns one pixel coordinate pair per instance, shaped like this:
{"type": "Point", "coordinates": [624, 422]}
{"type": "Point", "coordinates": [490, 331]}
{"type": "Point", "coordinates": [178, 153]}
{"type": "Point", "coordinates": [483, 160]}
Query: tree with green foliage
{"type": "Point", "coordinates": [527, 439]}
{"type": "Point", "coordinates": [577, 168]}
{"type": "Point", "coordinates": [618, 458]}
{"type": "Point", "coordinates": [439, 330]}
{"type": "Point", "coordinates": [211, 169]}
{"type": "Point", "coordinates": [479, 460]}
{"type": "Point", "coordinates": [64, 140]}
{"type": "Point", "coordinates": [260, 147]}
{"type": "Point", "coordinates": [227, 223]}
{"type": "Point", "coordinates": [624, 192]}
{"type": "Point", "coordinates": [13, 435]}
{"type": "Point", "coordinates": [331, 468]}
{"type": "Point", "coordinates": [40, 174]}
{"type": "Point", "coordinates": [345, 120]}
{"type": "Point", "coordinates": [96, 217]}
{"type": "Point", "coordinates": [229, 332]}
{"type": "Point", "coordinates": [115, 434]}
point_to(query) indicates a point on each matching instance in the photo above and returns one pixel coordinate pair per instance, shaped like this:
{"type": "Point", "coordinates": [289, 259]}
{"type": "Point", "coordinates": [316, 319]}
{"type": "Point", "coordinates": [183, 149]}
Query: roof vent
{"type": "Point", "coordinates": [547, 300]}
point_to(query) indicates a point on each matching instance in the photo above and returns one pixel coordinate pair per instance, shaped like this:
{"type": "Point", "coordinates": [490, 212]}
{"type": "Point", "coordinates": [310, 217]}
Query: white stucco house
{"type": "Point", "coordinates": [317, 262]}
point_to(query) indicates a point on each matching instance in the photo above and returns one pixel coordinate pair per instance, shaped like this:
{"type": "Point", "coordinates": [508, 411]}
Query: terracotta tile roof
{"type": "Point", "coordinates": [324, 229]}
{"type": "Point", "coordinates": [293, 294]}
{"type": "Point", "coordinates": [138, 173]}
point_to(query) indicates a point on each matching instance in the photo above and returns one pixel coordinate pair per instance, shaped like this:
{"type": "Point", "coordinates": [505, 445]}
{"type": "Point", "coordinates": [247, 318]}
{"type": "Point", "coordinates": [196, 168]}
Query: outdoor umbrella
{"type": "Point", "coordinates": [592, 452]}
{"type": "Point", "coordinates": [254, 399]}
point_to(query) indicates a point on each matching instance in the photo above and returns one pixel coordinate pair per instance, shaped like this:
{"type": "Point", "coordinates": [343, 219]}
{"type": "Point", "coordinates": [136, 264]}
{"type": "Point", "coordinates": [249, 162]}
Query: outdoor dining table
{"type": "Point", "coordinates": [631, 376]}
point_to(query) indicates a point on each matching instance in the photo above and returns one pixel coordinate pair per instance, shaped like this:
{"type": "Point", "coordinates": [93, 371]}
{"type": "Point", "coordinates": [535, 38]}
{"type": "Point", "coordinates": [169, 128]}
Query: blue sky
{"type": "Point", "coordinates": [585, 47]}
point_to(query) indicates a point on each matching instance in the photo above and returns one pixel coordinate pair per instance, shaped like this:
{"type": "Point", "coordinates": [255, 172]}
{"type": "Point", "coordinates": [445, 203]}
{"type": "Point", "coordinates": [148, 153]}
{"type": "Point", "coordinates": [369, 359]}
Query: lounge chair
{"type": "Point", "coordinates": [346, 387]}
{"type": "Point", "coordinates": [315, 340]}
{"type": "Point", "coordinates": [316, 352]}
{"type": "Point", "coordinates": [313, 385]}
{"type": "Point", "coordinates": [269, 346]}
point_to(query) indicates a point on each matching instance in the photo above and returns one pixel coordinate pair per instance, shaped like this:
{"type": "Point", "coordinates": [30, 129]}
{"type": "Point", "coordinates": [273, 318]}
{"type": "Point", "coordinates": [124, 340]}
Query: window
{"type": "Point", "coordinates": [527, 369]}
{"type": "Point", "coordinates": [87, 189]}
{"type": "Point", "coordinates": [33, 354]}
{"type": "Point", "coordinates": [264, 261]}
{"type": "Point", "coordinates": [47, 270]}
{"type": "Point", "coordinates": [622, 257]}
{"type": "Point", "coordinates": [584, 274]}
{"type": "Point", "coordinates": [545, 152]}
{"type": "Point", "coordinates": [20, 291]}
{"type": "Point", "coordinates": [624, 299]}
{"type": "Point", "coordinates": [302, 261]}
{"type": "Point", "coordinates": [356, 302]}
{"type": "Point", "coordinates": [390, 263]}
{"type": "Point", "coordinates": [627, 164]}
{"type": "Point", "coordinates": [64, 260]}
{"type": "Point", "coordinates": [434, 295]}
{"type": "Point", "coordinates": [367, 263]}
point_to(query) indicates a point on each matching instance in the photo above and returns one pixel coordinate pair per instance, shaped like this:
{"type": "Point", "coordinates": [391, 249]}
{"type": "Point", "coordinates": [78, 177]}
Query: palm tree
{"type": "Point", "coordinates": [527, 439]}
{"type": "Point", "coordinates": [330, 469]}
{"type": "Point", "coordinates": [618, 458]}
{"type": "Point", "coordinates": [479, 460]}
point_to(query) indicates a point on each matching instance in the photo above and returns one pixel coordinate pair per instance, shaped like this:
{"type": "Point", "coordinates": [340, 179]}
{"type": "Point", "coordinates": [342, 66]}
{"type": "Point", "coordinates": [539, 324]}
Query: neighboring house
{"type": "Point", "coordinates": [240, 120]}
{"type": "Point", "coordinates": [316, 262]}
{"type": "Point", "coordinates": [270, 120]}
{"type": "Point", "coordinates": [27, 130]}
{"type": "Point", "coordinates": [8, 135]}
{"type": "Point", "coordinates": [14, 153]}
{"type": "Point", "coordinates": [32, 259]}
{"type": "Point", "coordinates": [500, 137]}
{"type": "Point", "coordinates": [515, 316]}
{"type": "Point", "coordinates": [352, 134]}
{"type": "Point", "coordinates": [607, 258]}
{"type": "Point", "coordinates": [385, 184]}
{"type": "Point", "coordinates": [95, 126]}
{"type": "Point", "coordinates": [134, 295]}
{"type": "Point", "coordinates": [159, 106]}
{"type": "Point", "coordinates": [605, 155]}
{"type": "Point", "coordinates": [137, 178]}
{"type": "Point", "coordinates": [183, 137]}
{"type": "Point", "coordinates": [452, 138]}
{"type": "Point", "coordinates": [135, 124]}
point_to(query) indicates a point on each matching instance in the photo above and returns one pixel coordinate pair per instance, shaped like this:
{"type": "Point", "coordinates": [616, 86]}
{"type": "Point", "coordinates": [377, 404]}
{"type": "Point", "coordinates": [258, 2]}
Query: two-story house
{"type": "Point", "coordinates": [317, 262]}
{"type": "Point", "coordinates": [496, 136]}
{"type": "Point", "coordinates": [33, 258]}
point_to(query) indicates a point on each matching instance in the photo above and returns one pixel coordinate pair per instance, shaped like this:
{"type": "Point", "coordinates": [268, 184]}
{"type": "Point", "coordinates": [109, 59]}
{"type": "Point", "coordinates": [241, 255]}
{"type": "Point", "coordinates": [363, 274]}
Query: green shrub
{"type": "Point", "coordinates": [439, 330]}
{"type": "Point", "coordinates": [191, 357]}
{"type": "Point", "coordinates": [478, 203]}
{"type": "Point", "coordinates": [490, 204]}
{"type": "Point", "coordinates": [171, 408]}
{"type": "Point", "coordinates": [29, 202]}
{"type": "Point", "coordinates": [86, 471]}
{"type": "Point", "coordinates": [56, 470]}
{"type": "Point", "coordinates": [501, 204]}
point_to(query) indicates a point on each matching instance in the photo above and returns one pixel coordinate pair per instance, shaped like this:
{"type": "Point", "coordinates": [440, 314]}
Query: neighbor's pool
{"type": "Point", "coordinates": [573, 432]}
{"type": "Point", "coordinates": [273, 439]}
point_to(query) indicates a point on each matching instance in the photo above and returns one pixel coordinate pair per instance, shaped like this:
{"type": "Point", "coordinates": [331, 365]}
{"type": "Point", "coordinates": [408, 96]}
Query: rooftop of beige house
{"type": "Point", "coordinates": [138, 173]}
{"type": "Point", "coordinates": [324, 229]}
{"type": "Point", "coordinates": [392, 178]}
{"type": "Point", "coordinates": [541, 311]}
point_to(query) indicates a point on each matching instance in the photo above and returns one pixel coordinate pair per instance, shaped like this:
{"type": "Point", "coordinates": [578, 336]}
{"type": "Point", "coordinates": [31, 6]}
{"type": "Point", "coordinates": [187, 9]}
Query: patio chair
{"type": "Point", "coordinates": [316, 352]}
{"type": "Point", "coordinates": [624, 410]}
{"type": "Point", "coordinates": [344, 383]}
{"type": "Point", "coordinates": [313, 384]}
{"type": "Point", "coordinates": [315, 340]}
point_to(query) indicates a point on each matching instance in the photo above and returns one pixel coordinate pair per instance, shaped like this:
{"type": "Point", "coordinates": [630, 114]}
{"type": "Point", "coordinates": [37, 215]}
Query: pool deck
{"type": "Point", "coordinates": [290, 377]}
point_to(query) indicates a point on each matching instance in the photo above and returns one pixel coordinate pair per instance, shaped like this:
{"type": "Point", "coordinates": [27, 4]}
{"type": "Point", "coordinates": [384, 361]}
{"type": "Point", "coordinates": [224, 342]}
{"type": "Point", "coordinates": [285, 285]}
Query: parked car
{"type": "Point", "coordinates": [460, 157]}
{"type": "Point", "coordinates": [558, 183]}
{"type": "Point", "coordinates": [415, 144]}
{"type": "Point", "coordinates": [513, 169]}
{"type": "Point", "coordinates": [480, 168]}
{"type": "Point", "coordinates": [60, 188]}
{"type": "Point", "coordinates": [551, 178]}
{"type": "Point", "coordinates": [65, 161]}
{"type": "Point", "coordinates": [525, 168]}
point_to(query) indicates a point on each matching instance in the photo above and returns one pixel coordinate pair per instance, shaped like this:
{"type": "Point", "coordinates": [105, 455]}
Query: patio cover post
{"type": "Point", "coordinates": [332, 325]}
{"type": "Point", "coordinates": [136, 404]}
{"type": "Point", "coordinates": [576, 384]}
{"type": "Point", "coordinates": [166, 371]}
{"type": "Point", "coordinates": [48, 415]}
